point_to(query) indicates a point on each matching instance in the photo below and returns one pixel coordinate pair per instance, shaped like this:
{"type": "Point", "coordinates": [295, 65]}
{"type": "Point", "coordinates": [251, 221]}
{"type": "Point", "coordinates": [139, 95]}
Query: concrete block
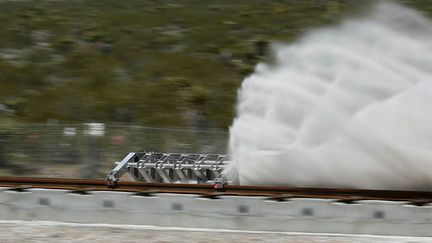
{"type": "Point", "coordinates": [225, 212]}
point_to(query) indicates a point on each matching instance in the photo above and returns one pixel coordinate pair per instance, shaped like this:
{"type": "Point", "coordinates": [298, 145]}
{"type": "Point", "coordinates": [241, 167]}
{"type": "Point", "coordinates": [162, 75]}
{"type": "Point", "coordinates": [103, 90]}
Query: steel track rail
{"type": "Point", "coordinates": [276, 193]}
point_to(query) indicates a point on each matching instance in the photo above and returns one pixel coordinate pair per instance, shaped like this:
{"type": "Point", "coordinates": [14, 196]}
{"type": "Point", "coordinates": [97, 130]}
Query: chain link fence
{"type": "Point", "coordinates": [89, 150]}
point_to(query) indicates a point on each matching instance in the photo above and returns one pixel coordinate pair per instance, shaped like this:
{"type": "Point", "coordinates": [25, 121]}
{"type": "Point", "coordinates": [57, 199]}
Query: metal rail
{"type": "Point", "coordinates": [275, 193]}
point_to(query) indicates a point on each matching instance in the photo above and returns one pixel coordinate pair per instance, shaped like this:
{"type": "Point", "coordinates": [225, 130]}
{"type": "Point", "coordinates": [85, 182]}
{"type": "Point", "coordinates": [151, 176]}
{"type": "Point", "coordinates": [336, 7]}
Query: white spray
{"type": "Point", "coordinates": [349, 106]}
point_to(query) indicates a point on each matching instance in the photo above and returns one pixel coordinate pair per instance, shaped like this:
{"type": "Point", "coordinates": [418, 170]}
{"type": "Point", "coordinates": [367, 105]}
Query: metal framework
{"type": "Point", "coordinates": [156, 167]}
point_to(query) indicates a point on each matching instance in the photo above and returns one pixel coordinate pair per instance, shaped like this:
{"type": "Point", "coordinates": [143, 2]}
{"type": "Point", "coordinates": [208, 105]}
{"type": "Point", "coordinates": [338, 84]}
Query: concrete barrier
{"type": "Point", "coordinates": [225, 212]}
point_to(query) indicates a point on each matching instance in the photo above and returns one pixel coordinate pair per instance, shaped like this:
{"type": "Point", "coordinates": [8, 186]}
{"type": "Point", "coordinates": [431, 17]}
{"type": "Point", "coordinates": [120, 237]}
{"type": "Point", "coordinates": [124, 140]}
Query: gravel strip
{"type": "Point", "coordinates": [41, 231]}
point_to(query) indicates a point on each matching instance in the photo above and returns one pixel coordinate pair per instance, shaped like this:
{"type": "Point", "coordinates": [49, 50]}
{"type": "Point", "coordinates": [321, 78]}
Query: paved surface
{"type": "Point", "coordinates": [41, 231]}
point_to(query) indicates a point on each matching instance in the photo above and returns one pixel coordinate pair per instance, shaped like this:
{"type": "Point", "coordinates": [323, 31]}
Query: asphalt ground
{"type": "Point", "coordinates": [43, 231]}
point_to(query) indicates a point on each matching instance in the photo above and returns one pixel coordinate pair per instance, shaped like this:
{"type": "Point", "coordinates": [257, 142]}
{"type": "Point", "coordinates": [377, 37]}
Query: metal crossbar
{"type": "Point", "coordinates": [156, 167]}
